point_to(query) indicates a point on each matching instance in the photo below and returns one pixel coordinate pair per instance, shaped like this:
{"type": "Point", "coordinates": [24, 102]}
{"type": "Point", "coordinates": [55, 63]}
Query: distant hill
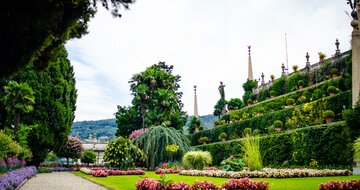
{"type": "Point", "coordinates": [105, 129]}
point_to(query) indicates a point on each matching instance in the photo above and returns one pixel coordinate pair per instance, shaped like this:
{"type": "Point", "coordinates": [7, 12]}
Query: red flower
{"type": "Point", "coordinates": [164, 165]}
{"type": "Point", "coordinates": [232, 157]}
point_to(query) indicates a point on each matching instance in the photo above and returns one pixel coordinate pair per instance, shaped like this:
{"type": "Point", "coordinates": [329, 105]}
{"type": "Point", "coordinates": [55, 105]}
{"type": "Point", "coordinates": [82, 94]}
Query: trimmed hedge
{"type": "Point", "coordinates": [263, 122]}
{"type": "Point", "coordinates": [330, 145]}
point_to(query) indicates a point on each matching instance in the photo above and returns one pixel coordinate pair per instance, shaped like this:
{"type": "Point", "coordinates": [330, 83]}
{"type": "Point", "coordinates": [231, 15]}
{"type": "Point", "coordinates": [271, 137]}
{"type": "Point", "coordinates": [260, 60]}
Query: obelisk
{"type": "Point", "coordinates": [196, 114]}
{"type": "Point", "coordinates": [250, 71]}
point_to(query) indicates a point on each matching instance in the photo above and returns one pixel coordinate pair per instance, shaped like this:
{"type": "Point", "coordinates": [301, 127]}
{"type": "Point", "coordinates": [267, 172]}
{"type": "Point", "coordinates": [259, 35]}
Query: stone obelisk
{"type": "Point", "coordinates": [355, 43]}
{"type": "Point", "coordinates": [250, 71]}
{"type": "Point", "coordinates": [196, 114]}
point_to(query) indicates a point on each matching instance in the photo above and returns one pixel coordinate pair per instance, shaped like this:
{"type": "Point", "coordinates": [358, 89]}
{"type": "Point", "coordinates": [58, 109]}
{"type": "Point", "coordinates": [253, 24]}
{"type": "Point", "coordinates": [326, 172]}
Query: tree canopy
{"type": "Point", "coordinates": [195, 122]}
{"type": "Point", "coordinates": [71, 149]}
{"type": "Point", "coordinates": [156, 101]}
{"type": "Point", "coordinates": [33, 30]}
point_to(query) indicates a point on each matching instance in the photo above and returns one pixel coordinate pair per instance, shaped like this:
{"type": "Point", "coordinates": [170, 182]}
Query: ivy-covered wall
{"type": "Point", "coordinates": [330, 145]}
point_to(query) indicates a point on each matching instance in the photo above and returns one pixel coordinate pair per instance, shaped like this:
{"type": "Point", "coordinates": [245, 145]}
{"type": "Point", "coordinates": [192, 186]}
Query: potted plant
{"type": "Point", "coordinates": [204, 140]}
{"type": "Point", "coordinates": [295, 68]}
{"type": "Point", "coordinates": [249, 101]}
{"type": "Point", "coordinates": [332, 90]}
{"type": "Point", "coordinates": [278, 125]}
{"type": "Point", "coordinates": [334, 72]}
{"type": "Point", "coordinates": [322, 56]}
{"type": "Point", "coordinates": [328, 116]}
{"type": "Point", "coordinates": [301, 84]}
{"type": "Point", "coordinates": [223, 136]}
{"type": "Point", "coordinates": [272, 77]}
{"type": "Point", "coordinates": [272, 94]}
{"type": "Point", "coordinates": [290, 102]}
{"type": "Point", "coordinates": [217, 123]}
{"type": "Point", "coordinates": [201, 128]}
{"type": "Point", "coordinates": [247, 131]}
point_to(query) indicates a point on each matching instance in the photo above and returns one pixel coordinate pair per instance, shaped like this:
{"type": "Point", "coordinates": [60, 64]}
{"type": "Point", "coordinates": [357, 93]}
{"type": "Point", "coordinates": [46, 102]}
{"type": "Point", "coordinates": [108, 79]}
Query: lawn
{"type": "Point", "coordinates": [128, 182]}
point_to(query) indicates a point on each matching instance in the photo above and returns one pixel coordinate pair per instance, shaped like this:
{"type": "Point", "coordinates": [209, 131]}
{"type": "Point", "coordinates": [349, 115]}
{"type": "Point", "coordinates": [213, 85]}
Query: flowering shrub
{"type": "Point", "coordinates": [337, 185]}
{"type": "Point", "coordinates": [56, 169]}
{"type": "Point", "coordinates": [169, 171]}
{"type": "Point", "coordinates": [137, 133]}
{"type": "Point", "coordinates": [99, 173]}
{"type": "Point", "coordinates": [178, 186]}
{"type": "Point", "coordinates": [205, 185]}
{"type": "Point", "coordinates": [210, 168]}
{"type": "Point", "coordinates": [14, 178]}
{"type": "Point", "coordinates": [267, 172]}
{"type": "Point", "coordinates": [3, 167]}
{"type": "Point", "coordinates": [148, 184]}
{"type": "Point", "coordinates": [86, 171]}
{"type": "Point", "coordinates": [128, 172]}
{"type": "Point", "coordinates": [246, 184]}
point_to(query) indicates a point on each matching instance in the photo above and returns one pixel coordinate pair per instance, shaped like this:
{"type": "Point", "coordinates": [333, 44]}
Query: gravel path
{"type": "Point", "coordinates": [59, 181]}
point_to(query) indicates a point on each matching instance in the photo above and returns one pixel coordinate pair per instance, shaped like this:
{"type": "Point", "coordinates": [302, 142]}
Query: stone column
{"type": "Point", "coordinates": [250, 71]}
{"type": "Point", "coordinates": [196, 114]}
{"type": "Point", "coordinates": [355, 43]}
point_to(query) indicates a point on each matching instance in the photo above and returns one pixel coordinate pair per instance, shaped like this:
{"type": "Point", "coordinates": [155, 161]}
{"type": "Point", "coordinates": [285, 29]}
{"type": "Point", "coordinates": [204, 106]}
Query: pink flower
{"type": "Point", "coordinates": [164, 165]}
{"type": "Point", "coordinates": [232, 157]}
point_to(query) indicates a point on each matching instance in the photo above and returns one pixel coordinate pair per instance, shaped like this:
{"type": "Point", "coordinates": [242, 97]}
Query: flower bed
{"type": "Point", "coordinates": [337, 185]}
{"type": "Point", "coordinates": [10, 164]}
{"type": "Point", "coordinates": [268, 172]}
{"type": "Point", "coordinates": [232, 184]}
{"type": "Point", "coordinates": [86, 171]}
{"type": "Point", "coordinates": [59, 169]}
{"type": "Point", "coordinates": [97, 172]}
{"type": "Point", "coordinates": [13, 179]}
{"type": "Point", "coordinates": [168, 171]}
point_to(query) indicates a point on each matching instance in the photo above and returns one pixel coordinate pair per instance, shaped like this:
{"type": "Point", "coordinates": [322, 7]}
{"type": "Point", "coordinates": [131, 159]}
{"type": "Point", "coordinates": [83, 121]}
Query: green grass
{"type": "Point", "coordinates": [128, 182]}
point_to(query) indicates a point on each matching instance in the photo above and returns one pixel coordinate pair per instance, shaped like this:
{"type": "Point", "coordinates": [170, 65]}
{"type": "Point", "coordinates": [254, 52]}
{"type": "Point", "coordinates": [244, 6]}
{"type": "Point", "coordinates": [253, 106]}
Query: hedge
{"type": "Point", "coordinates": [329, 144]}
{"type": "Point", "coordinates": [262, 122]}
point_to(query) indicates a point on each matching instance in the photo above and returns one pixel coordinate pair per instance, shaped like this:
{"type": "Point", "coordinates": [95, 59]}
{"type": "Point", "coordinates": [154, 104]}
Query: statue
{"type": "Point", "coordinates": [222, 90]}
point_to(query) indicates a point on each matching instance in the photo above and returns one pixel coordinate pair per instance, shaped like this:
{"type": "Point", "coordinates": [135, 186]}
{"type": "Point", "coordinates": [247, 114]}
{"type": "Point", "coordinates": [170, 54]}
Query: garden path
{"type": "Point", "coordinates": [59, 181]}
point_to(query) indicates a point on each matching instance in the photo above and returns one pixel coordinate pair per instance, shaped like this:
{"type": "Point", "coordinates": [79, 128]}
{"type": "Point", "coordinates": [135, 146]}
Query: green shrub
{"type": "Point", "coordinates": [328, 114]}
{"type": "Point", "coordinates": [196, 160]}
{"type": "Point", "coordinates": [334, 71]}
{"type": "Point", "coordinates": [300, 83]}
{"type": "Point", "coordinates": [329, 144]}
{"type": "Point", "coordinates": [232, 164]}
{"type": "Point", "coordinates": [290, 102]}
{"type": "Point", "coordinates": [331, 89]}
{"type": "Point", "coordinates": [352, 117]}
{"type": "Point", "coordinates": [279, 86]}
{"type": "Point", "coordinates": [247, 131]}
{"type": "Point", "coordinates": [278, 124]}
{"type": "Point", "coordinates": [272, 93]}
{"type": "Point", "coordinates": [252, 155]}
{"type": "Point", "coordinates": [222, 136]}
{"type": "Point", "coordinates": [291, 82]}
{"type": "Point", "coordinates": [203, 140]}
{"type": "Point", "coordinates": [88, 157]}
{"type": "Point", "coordinates": [8, 147]}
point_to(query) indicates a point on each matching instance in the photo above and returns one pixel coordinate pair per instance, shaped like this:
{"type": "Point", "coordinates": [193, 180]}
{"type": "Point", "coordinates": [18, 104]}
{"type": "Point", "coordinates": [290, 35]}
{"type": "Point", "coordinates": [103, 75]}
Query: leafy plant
{"type": "Point", "coordinates": [334, 71]}
{"type": "Point", "coordinates": [235, 103]}
{"type": "Point", "coordinates": [204, 185]}
{"type": "Point", "coordinates": [331, 89]}
{"type": "Point", "coordinates": [122, 153]}
{"type": "Point", "coordinates": [232, 164]}
{"type": "Point", "coordinates": [322, 55]}
{"type": "Point", "coordinates": [223, 135]}
{"type": "Point", "coordinates": [272, 93]}
{"type": "Point", "coordinates": [194, 123]}
{"type": "Point", "coordinates": [300, 83]}
{"type": "Point", "coordinates": [252, 155]}
{"type": "Point", "coordinates": [245, 183]}
{"type": "Point", "coordinates": [72, 149]}
{"type": "Point", "coordinates": [154, 141]}
{"type": "Point", "coordinates": [196, 159]}
{"type": "Point", "coordinates": [295, 67]}
{"type": "Point", "coordinates": [137, 133]}
{"type": "Point", "coordinates": [290, 102]}
{"type": "Point", "coordinates": [272, 77]}
{"type": "Point", "coordinates": [328, 114]}
{"type": "Point", "coordinates": [278, 124]}
{"type": "Point", "coordinates": [88, 157]}
{"type": "Point", "coordinates": [203, 140]}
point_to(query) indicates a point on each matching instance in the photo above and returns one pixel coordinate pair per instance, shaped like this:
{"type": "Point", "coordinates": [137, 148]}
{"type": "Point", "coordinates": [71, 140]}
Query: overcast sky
{"type": "Point", "coordinates": [205, 40]}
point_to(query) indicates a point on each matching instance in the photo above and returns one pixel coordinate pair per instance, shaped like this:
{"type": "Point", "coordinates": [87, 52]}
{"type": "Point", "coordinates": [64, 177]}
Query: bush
{"type": "Point", "coordinates": [203, 140]}
{"type": "Point", "coordinates": [137, 133]}
{"type": "Point", "coordinates": [178, 186]}
{"type": "Point", "coordinates": [8, 147]}
{"type": "Point", "coordinates": [122, 153]}
{"type": "Point", "coordinates": [196, 159]}
{"type": "Point", "coordinates": [148, 184]}
{"type": "Point", "coordinates": [232, 164]}
{"type": "Point", "coordinates": [278, 124]}
{"type": "Point", "coordinates": [290, 102]}
{"type": "Point", "coordinates": [334, 71]}
{"type": "Point", "coordinates": [204, 185]}
{"type": "Point", "coordinates": [272, 93]}
{"type": "Point", "coordinates": [88, 157]}
{"type": "Point", "coordinates": [337, 185]}
{"type": "Point", "coordinates": [252, 155]}
{"type": "Point", "coordinates": [245, 183]}
{"type": "Point", "coordinates": [300, 83]}
{"type": "Point", "coordinates": [13, 179]}
{"type": "Point", "coordinates": [328, 114]}
{"type": "Point", "coordinates": [222, 136]}
{"type": "Point", "coordinates": [331, 89]}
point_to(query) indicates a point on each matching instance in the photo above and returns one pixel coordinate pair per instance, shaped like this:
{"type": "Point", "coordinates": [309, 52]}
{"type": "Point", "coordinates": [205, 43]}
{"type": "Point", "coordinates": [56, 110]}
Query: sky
{"type": "Point", "coordinates": [206, 42]}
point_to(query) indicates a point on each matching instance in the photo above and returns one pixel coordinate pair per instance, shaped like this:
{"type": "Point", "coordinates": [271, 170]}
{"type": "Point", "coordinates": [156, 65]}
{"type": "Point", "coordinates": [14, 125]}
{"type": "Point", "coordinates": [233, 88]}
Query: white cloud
{"type": "Point", "coordinates": [205, 40]}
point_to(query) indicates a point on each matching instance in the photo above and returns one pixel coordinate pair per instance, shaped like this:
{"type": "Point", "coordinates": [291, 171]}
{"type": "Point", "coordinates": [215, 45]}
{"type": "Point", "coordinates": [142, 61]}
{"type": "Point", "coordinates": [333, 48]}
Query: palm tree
{"type": "Point", "coordinates": [19, 99]}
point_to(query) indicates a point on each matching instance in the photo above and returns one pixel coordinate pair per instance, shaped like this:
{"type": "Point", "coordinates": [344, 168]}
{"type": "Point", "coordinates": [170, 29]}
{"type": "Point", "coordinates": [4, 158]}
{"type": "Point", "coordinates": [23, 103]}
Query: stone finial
{"type": "Point", "coordinates": [249, 50]}
{"type": "Point", "coordinates": [307, 66]}
{"type": "Point", "coordinates": [307, 57]}
{"type": "Point", "coordinates": [262, 79]}
{"type": "Point", "coordinates": [195, 89]}
{"type": "Point", "coordinates": [337, 51]}
{"type": "Point", "coordinates": [283, 70]}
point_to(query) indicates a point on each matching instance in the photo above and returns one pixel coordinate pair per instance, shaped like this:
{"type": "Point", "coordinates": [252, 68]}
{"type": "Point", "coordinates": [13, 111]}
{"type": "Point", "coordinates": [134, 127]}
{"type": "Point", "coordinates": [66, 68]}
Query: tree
{"type": "Point", "coordinates": [154, 142]}
{"type": "Point", "coordinates": [35, 30]}
{"type": "Point", "coordinates": [157, 100]}
{"type": "Point", "coordinates": [89, 157]}
{"type": "Point", "coordinates": [218, 108]}
{"type": "Point", "coordinates": [235, 103]}
{"type": "Point", "coordinates": [128, 119]}
{"type": "Point", "coordinates": [194, 123]}
{"type": "Point", "coordinates": [71, 149]}
{"type": "Point", "coordinates": [54, 108]}
{"type": "Point", "coordinates": [19, 99]}
{"type": "Point", "coordinates": [122, 153]}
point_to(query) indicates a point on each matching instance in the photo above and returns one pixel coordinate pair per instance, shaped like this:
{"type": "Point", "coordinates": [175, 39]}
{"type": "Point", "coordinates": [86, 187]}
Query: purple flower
{"type": "Point", "coordinates": [14, 178]}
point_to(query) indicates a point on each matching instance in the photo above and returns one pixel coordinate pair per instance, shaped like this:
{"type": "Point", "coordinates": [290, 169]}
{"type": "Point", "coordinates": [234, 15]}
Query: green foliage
{"type": "Point", "coordinates": [71, 149]}
{"type": "Point", "coordinates": [157, 100]}
{"type": "Point", "coordinates": [207, 121]}
{"type": "Point", "coordinates": [232, 164]}
{"type": "Point", "coordinates": [123, 154]}
{"type": "Point", "coordinates": [352, 117]}
{"type": "Point", "coordinates": [235, 103]}
{"type": "Point", "coordinates": [195, 123]}
{"type": "Point", "coordinates": [8, 147]}
{"type": "Point", "coordinates": [88, 157]}
{"type": "Point", "coordinates": [128, 119]}
{"type": "Point", "coordinates": [295, 67]}
{"type": "Point", "coordinates": [290, 102]}
{"type": "Point", "coordinates": [357, 150]}
{"type": "Point", "coordinates": [278, 124]}
{"type": "Point", "coordinates": [300, 83]}
{"type": "Point", "coordinates": [334, 71]}
{"type": "Point", "coordinates": [250, 146]}
{"type": "Point", "coordinates": [247, 131]}
{"type": "Point", "coordinates": [272, 93]}
{"type": "Point", "coordinates": [36, 29]}
{"type": "Point", "coordinates": [328, 114]}
{"type": "Point", "coordinates": [279, 86]}
{"type": "Point", "coordinates": [329, 144]}
{"type": "Point", "coordinates": [222, 136]}
{"type": "Point", "coordinates": [203, 139]}
{"type": "Point", "coordinates": [218, 108]}
{"type": "Point", "coordinates": [105, 129]}
{"type": "Point", "coordinates": [172, 149]}
{"type": "Point", "coordinates": [53, 111]}
{"type": "Point", "coordinates": [331, 89]}
{"type": "Point", "coordinates": [154, 141]}
{"type": "Point", "coordinates": [249, 85]}
{"type": "Point", "coordinates": [247, 95]}
{"type": "Point", "coordinates": [291, 82]}
{"type": "Point", "coordinates": [196, 160]}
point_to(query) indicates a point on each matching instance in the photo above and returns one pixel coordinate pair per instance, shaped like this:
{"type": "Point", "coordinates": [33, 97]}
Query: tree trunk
{"type": "Point", "coordinates": [16, 121]}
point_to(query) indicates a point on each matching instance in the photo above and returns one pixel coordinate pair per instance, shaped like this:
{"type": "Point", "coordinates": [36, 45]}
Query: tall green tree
{"type": "Point", "coordinates": [195, 122]}
{"type": "Point", "coordinates": [157, 99]}
{"type": "Point", "coordinates": [33, 30]}
{"type": "Point", "coordinates": [18, 99]}
{"type": "Point", "coordinates": [53, 112]}
{"type": "Point", "coordinates": [128, 119]}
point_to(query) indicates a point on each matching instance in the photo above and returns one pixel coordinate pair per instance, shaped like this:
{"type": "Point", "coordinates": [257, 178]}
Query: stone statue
{"type": "Point", "coordinates": [222, 90]}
